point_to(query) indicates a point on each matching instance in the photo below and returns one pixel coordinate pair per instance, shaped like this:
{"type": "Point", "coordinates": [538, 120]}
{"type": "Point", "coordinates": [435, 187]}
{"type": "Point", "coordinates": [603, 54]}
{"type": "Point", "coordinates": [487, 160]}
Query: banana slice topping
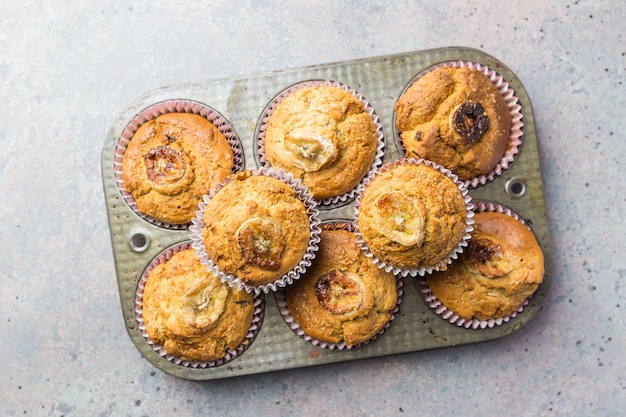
{"type": "Point", "coordinates": [204, 302]}
{"type": "Point", "coordinates": [261, 243]}
{"type": "Point", "coordinates": [341, 292]}
{"type": "Point", "coordinates": [312, 151]}
{"type": "Point", "coordinates": [489, 258]}
{"type": "Point", "coordinates": [399, 219]}
{"type": "Point", "coordinates": [164, 165]}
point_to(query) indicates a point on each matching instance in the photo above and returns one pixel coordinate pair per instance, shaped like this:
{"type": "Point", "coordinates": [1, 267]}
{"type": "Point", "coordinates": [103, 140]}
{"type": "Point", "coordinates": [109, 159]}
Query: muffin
{"type": "Point", "coordinates": [500, 269]}
{"type": "Point", "coordinates": [257, 229]}
{"type": "Point", "coordinates": [191, 313]}
{"type": "Point", "coordinates": [456, 117]}
{"type": "Point", "coordinates": [324, 136]}
{"type": "Point", "coordinates": [171, 162]}
{"type": "Point", "coordinates": [343, 297]}
{"type": "Point", "coordinates": [413, 216]}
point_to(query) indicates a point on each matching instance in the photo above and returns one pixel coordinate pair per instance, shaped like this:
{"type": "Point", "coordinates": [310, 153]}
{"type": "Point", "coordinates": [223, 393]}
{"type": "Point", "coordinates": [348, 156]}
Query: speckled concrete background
{"type": "Point", "coordinates": [68, 70]}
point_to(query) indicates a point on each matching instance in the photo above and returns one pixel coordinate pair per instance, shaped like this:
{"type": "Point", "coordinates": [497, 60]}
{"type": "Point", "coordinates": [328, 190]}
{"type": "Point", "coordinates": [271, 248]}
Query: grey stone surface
{"type": "Point", "coordinates": [68, 69]}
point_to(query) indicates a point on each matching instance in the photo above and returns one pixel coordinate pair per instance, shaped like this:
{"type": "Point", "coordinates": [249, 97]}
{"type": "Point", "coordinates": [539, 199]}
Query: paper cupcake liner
{"type": "Point", "coordinates": [281, 302]}
{"type": "Point", "coordinates": [446, 260]}
{"type": "Point", "coordinates": [231, 279]}
{"type": "Point", "coordinates": [255, 326]}
{"type": "Point", "coordinates": [438, 307]}
{"type": "Point", "coordinates": [516, 136]}
{"type": "Point", "coordinates": [259, 135]}
{"type": "Point", "coordinates": [151, 113]}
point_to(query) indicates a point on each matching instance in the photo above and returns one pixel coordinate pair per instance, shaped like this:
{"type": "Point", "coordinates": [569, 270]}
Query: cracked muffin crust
{"type": "Point", "coordinates": [343, 297]}
{"type": "Point", "coordinates": [171, 162]}
{"type": "Point", "coordinates": [502, 266]}
{"type": "Point", "coordinates": [191, 313]}
{"type": "Point", "coordinates": [323, 136]}
{"type": "Point", "coordinates": [256, 228]}
{"type": "Point", "coordinates": [411, 215]}
{"type": "Point", "coordinates": [457, 118]}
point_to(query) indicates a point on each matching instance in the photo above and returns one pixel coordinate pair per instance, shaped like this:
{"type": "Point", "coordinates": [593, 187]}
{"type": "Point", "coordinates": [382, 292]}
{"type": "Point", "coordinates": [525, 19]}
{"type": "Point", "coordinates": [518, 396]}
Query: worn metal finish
{"type": "Point", "coordinates": [242, 100]}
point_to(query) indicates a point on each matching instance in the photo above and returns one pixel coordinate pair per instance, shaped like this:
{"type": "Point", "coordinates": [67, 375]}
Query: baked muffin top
{"type": "Point", "coordinates": [501, 267]}
{"type": "Point", "coordinates": [324, 137]}
{"type": "Point", "coordinates": [343, 297]}
{"type": "Point", "coordinates": [171, 162]}
{"type": "Point", "coordinates": [192, 313]}
{"type": "Point", "coordinates": [457, 118]}
{"type": "Point", "coordinates": [256, 227]}
{"type": "Point", "coordinates": [411, 215]}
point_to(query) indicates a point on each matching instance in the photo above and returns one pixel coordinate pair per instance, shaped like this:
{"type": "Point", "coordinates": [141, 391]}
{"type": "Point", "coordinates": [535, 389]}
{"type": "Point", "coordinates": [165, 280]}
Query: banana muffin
{"type": "Point", "coordinates": [194, 315]}
{"type": "Point", "coordinates": [411, 215]}
{"type": "Point", "coordinates": [457, 118]}
{"type": "Point", "coordinates": [171, 162]}
{"type": "Point", "coordinates": [256, 227]}
{"type": "Point", "coordinates": [502, 266]}
{"type": "Point", "coordinates": [324, 136]}
{"type": "Point", "coordinates": [343, 297]}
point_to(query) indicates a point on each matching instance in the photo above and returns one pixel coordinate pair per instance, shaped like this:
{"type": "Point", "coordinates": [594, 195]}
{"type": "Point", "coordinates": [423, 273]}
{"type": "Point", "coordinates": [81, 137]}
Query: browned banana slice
{"type": "Point", "coordinates": [204, 302]}
{"type": "Point", "coordinates": [312, 151]}
{"type": "Point", "coordinates": [341, 292]}
{"type": "Point", "coordinates": [399, 219]}
{"type": "Point", "coordinates": [470, 121]}
{"type": "Point", "coordinates": [165, 165]}
{"type": "Point", "coordinates": [488, 257]}
{"type": "Point", "coordinates": [261, 243]}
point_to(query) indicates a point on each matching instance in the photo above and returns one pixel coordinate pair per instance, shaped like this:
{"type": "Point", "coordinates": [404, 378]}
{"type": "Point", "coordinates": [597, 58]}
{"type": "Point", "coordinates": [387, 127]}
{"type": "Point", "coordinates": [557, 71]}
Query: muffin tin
{"type": "Point", "coordinates": [242, 100]}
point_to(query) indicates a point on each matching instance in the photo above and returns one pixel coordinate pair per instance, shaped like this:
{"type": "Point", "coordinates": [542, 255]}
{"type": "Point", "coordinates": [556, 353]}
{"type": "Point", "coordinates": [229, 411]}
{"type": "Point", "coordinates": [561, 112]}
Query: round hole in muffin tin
{"type": "Point", "coordinates": [139, 242]}
{"type": "Point", "coordinates": [516, 187]}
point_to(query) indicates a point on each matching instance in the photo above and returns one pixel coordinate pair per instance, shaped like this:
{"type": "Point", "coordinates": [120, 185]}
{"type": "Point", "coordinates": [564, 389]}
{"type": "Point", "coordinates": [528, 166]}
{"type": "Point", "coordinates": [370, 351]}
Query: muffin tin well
{"type": "Point", "coordinates": [242, 100]}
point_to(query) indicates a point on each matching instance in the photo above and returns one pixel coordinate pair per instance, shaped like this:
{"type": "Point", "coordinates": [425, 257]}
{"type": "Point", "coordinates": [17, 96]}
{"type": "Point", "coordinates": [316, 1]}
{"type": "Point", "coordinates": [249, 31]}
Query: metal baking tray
{"type": "Point", "coordinates": [241, 100]}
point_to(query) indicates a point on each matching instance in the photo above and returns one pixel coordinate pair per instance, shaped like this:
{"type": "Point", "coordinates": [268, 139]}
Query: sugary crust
{"type": "Point", "coordinates": [337, 116]}
{"type": "Point", "coordinates": [205, 154]}
{"type": "Point", "coordinates": [164, 311]}
{"type": "Point", "coordinates": [491, 288]}
{"type": "Point", "coordinates": [247, 197]}
{"type": "Point", "coordinates": [339, 251]}
{"type": "Point", "coordinates": [425, 119]}
{"type": "Point", "coordinates": [440, 205]}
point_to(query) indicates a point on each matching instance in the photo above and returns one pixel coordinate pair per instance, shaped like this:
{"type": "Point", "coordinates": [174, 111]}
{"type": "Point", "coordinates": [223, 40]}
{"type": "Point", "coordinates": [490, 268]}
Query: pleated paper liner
{"type": "Point", "coordinates": [231, 354]}
{"type": "Point", "coordinates": [151, 113]}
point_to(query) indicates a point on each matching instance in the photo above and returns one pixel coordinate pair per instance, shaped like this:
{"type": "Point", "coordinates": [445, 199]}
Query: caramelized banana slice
{"type": "Point", "coordinates": [164, 165]}
{"type": "Point", "coordinates": [470, 121]}
{"type": "Point", "coordinates": [399, 219]}
{"type": "Point", "coordinates": [488, 257]}
{"type": "Point", "coordinates": [312, 151]}
{"type": "Point", "coordinates": [340, 292]}
{"type": "Point", "coordinates": [204, 302]}
{"type": "Point", "coordinates": [261, 243]}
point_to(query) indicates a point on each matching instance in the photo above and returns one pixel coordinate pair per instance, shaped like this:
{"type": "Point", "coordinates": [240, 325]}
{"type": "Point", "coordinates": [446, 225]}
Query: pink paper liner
{"type": "Point", "coordinates": [516, 136]}
{"type": "Point", "coordinates": [438, 307]}
{"type": "Point", "coordinates": [255, 326]}
{"type": "Point", "coordinates": [151, 113]}
{"type": "Point", "coordinates": [281, 302]}
{"type": "Point", "coordinates": [453, 254]}
{"type": "Point", "coordinates": [274, 103]}
{"type": "Point", "coordinates": [231, 279]}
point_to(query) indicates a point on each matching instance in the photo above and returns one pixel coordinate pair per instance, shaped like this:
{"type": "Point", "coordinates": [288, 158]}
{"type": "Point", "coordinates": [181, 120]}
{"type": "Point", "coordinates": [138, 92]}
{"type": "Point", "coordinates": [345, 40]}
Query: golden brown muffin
{"type": "Point", "coordinates": [343, 297]}
{"type": "Point", "coordinates": [191, 313]}
{"type": "Point", "coordinates": [457, 118]}
{"type": "Point", "coordinates": [412, 215]}
{"type": "Point", "coordinates": [171, 162]}
{"type": "Point", "coordinates": [256, 228]}
{"type": "Point", "coordinates": [501, 267]}
{"type": "Point", "coordinates": [323, 136]}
